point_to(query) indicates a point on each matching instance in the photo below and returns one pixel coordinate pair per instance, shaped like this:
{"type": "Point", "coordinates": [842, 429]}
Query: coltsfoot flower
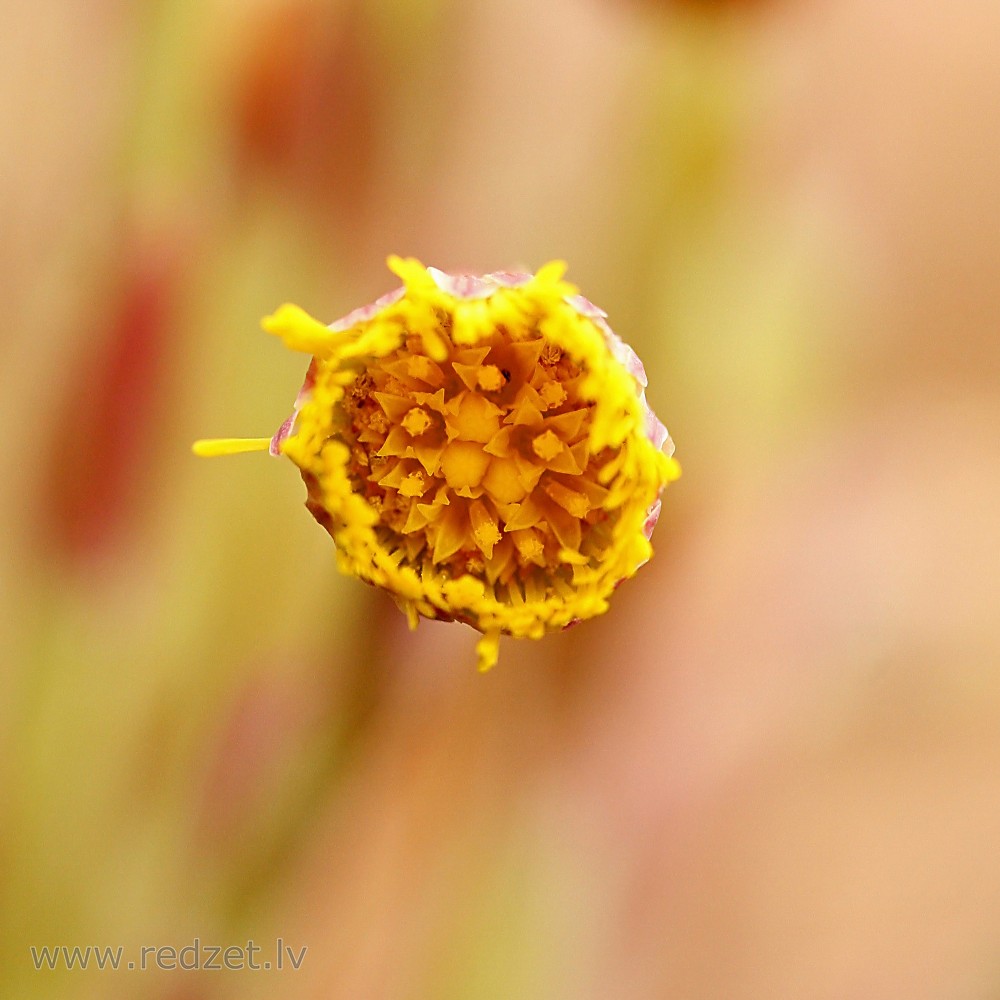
{"type": "Point", "coordinates": [480, 447]}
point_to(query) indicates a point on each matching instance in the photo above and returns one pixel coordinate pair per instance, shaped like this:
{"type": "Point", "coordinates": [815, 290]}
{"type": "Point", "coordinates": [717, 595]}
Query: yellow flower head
{"type": "Point", "coordinates": [480, 447]}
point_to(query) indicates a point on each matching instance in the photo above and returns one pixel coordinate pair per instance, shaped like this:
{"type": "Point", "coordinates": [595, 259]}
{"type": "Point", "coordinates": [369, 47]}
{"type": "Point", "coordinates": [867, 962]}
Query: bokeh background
{"type": "Point", "coordinates": [773, 769]}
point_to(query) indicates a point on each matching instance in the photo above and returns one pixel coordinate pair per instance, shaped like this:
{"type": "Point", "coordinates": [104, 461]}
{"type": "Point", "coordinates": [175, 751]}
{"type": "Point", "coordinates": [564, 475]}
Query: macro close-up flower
{"type": "Point", "coordinates": [480, 447]}
{"type": "Point", "coordinates": [766, 767]}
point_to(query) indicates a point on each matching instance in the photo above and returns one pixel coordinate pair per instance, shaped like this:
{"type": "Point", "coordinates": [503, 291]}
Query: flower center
{"type": "Point", "coordinates": [479, 463]}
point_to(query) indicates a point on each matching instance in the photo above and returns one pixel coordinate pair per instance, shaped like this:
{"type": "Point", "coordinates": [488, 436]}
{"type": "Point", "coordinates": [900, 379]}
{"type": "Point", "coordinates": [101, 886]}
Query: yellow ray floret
{"type": "Point", "coordinates": [479, 447]}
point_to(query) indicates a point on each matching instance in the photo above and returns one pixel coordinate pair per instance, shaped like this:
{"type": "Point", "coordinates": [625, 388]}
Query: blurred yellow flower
{"type": "Point", "coordinates": [480, 447]}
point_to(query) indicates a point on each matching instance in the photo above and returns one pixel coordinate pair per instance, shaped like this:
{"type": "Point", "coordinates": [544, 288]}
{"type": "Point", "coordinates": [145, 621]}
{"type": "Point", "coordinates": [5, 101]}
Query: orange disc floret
{"type": "Point", "coordinates": [480, 447]}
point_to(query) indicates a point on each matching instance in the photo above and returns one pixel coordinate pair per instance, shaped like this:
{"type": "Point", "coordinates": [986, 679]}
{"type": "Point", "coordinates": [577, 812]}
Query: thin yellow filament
{"type": "Point", "coordinates": [214, 447]}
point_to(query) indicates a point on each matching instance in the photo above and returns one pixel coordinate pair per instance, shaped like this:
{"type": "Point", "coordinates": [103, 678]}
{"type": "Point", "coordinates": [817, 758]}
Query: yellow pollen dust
{"type": "Point", "coordinates": [546, 446]}
{"type": "Point", "coordinates": [416, 422]}
{"type": "Point", "coordinates": [490, 378]}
